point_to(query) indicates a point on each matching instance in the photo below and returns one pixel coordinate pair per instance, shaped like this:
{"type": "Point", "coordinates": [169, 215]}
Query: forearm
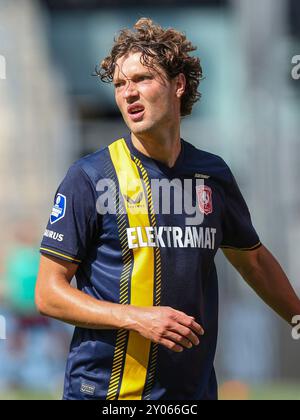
{"type": "Point", "coordinates": [163, 325]}
{"type": "Point", "coordinates": [65, 303]}
{"type": "Point", "coordinates": [55, 297]}
{"type": "Point", "coordinates": [270, 282]}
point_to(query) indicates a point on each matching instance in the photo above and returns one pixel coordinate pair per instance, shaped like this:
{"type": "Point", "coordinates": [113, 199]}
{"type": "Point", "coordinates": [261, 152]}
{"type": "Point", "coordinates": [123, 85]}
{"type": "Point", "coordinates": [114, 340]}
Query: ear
{"type": "Point", "coordinates": [180, 85]}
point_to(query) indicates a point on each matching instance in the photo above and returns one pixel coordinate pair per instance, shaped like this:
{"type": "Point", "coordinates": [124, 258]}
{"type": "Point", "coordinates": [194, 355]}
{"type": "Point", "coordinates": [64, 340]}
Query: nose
{"type": "Point", "coordinates": [130, 90]}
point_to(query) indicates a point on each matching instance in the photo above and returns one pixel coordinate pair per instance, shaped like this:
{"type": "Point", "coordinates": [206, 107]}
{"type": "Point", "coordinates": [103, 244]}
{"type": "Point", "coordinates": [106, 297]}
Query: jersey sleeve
{"type": "Point", "coordinates": [73, 220]}
{"type": "Point", "coordinates": [238, 230]}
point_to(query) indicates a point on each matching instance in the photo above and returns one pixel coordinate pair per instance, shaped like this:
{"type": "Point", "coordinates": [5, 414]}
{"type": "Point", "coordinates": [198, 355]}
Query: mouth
{"type": "Point", "coordinates": [136, 112]}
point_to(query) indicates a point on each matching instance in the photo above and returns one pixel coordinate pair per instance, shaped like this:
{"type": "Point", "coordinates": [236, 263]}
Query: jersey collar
{"type": "Point", "coordinates": [153, 163]}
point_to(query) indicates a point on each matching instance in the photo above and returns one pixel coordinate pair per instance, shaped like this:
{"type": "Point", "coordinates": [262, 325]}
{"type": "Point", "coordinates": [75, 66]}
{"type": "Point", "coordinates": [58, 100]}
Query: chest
{"type": "Point", "coordinates": [180, 212]}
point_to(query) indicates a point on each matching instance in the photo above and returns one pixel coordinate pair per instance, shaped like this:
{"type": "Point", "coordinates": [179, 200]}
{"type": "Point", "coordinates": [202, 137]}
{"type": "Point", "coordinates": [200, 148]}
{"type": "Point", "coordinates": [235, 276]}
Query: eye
{"type": "Point", "coordinates": [142, 78]}
{"type": "Point", "coordinates": [118, 84]}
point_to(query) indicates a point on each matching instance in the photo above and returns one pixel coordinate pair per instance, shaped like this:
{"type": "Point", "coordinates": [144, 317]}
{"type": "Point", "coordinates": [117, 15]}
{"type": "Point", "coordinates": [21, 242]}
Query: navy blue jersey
{"type": "Point", "coordinates": [130, 250]}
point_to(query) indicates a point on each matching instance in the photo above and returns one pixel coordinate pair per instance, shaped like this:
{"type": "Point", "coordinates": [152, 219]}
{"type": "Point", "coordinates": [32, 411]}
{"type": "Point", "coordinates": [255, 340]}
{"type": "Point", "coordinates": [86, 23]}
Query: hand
{"type": "Point", "coordinates": [166, 326]}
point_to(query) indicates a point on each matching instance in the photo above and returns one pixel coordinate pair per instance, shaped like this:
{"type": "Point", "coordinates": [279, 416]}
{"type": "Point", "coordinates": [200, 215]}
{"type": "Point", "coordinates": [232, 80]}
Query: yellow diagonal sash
{"type": "Point", "coordinates": [142, 279]}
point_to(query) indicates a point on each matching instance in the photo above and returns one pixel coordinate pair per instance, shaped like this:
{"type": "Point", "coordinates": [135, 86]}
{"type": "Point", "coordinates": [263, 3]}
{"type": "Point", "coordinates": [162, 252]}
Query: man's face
{"type": "Point", "coordinates": [147, 100]}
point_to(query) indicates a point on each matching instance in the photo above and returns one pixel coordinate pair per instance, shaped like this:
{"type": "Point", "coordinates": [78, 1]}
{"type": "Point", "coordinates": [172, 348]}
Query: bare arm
{"type": "Point", "coordinates": [264, 274]}
{"type": "Point", "coordinates": [55, 297]}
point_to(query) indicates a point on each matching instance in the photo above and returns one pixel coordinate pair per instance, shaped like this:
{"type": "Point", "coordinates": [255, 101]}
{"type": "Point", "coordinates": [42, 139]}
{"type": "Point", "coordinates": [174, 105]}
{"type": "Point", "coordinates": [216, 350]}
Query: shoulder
{"type": "Point", "coordinates": [91, 166]}
{"type": "Point", "coordinates": [83, 175]}
{"type": "Point", "coordinates": [95, 165]}
{"type": "Point", "coordinates": [207, 163]}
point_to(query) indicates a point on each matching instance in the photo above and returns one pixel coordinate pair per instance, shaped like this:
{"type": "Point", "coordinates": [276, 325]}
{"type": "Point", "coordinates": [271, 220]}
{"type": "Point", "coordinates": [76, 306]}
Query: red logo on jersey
{"type": "Point", "coordinates": [204, 194]}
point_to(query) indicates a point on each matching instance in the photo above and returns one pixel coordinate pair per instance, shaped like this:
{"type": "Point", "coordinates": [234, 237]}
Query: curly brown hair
{"type": "Point", "coordinates": [167, 48]}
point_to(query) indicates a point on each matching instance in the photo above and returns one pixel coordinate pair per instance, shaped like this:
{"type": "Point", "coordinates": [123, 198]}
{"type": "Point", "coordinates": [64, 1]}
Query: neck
{"type": "Point", "coordinates": [164, 147]}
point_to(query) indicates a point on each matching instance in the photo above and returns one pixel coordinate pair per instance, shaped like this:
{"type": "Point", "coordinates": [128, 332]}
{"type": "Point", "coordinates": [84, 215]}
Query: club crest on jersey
{"type": "Point", "coordinates": [59, 209]}
{"type": "Point", "coordinates": [204, 194]}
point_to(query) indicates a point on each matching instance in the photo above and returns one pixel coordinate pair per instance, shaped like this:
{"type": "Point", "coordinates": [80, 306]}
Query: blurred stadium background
{"type": "Point", "coordinates": [53, 111]}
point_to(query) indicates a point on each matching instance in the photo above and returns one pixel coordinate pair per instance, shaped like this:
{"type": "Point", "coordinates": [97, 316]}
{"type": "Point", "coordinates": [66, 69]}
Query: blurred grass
{"type": "Point", "coordinates": [28, 395]}
{"type": "Point", "coordinates": [276, 392]}
{"type": "Point", "coordinates": [233, 391]}
{"type": "Point", "coordinates": [240, 391]}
